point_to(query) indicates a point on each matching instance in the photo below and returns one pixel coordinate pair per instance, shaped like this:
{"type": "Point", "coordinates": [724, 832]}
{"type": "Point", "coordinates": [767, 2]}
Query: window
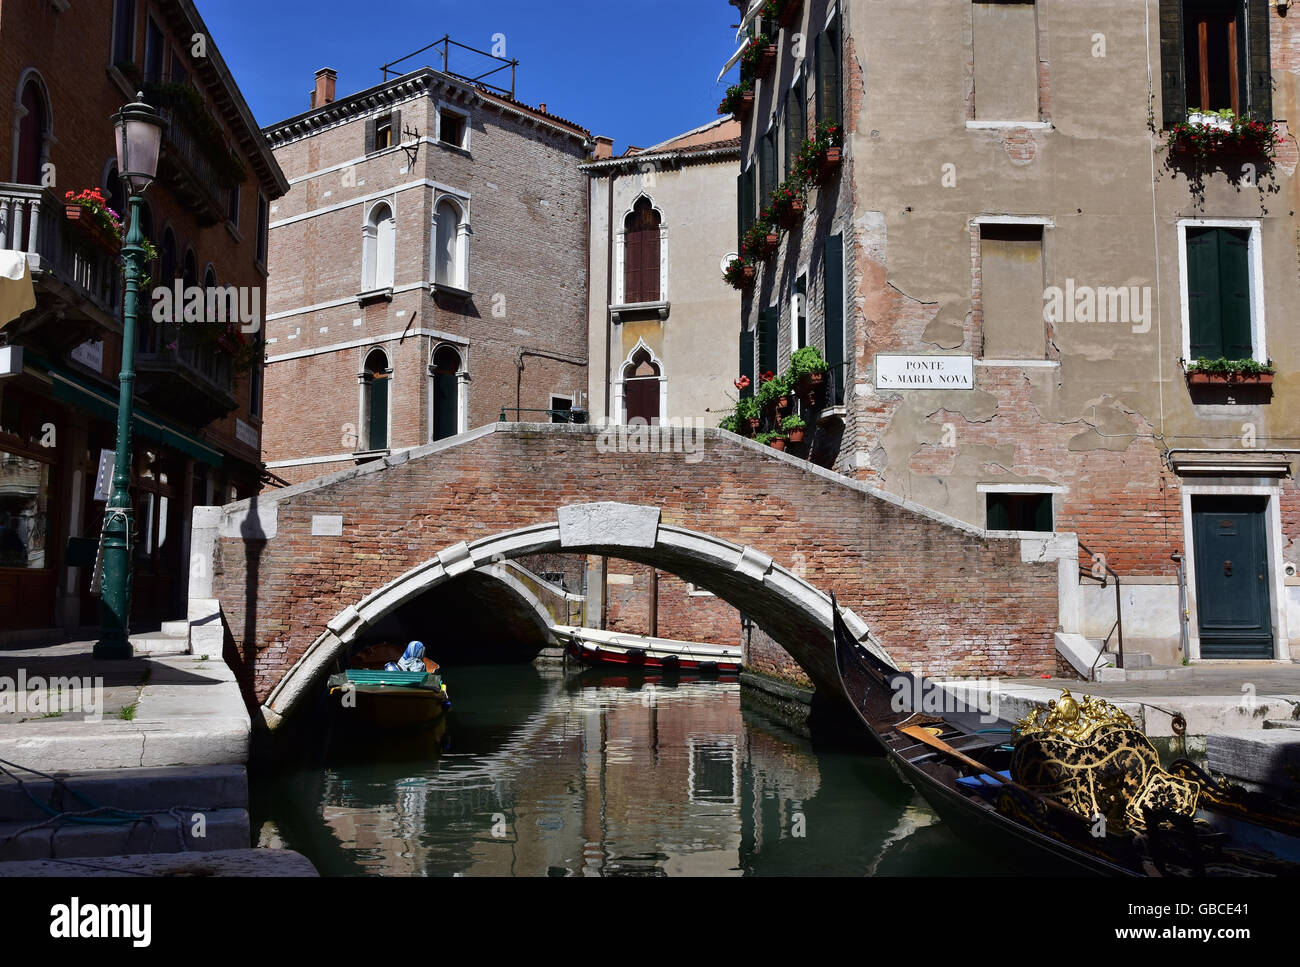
{"type": "Point", "coordinates": [33, 130]}
{"type": "Point", "coordinates": [124, 32]}
{"type": "Point", "coordinates": [115, 193]}
{"type": "Point", "coordinates": [766, 167]}
{"type": "Point", "coordinates": [383, 131]}
{"type": "Point", "coordinates": [375, 379]}
{"type": "Point", "coordinates": [641, 389]}
{"type": "Point", "coordinates": [768, 357]}
{"type": "Point", "coordinates": [179, 74]}
{"type": "Point", "coordinates": [1018, 512]}
{"type": "Point", "coordinates": [450, 245]}
{"type": "Point", "coordinates": [262, 227]}
{"type": "Point", "coordinates": [833, 314]}
{"type": "Point", "coordinates": [799, 314]}
{"type": "Point", "coordinates": [1011, 290]}
{"type": "Point", "coordinates": [1214, 55]}
{"type": "Point", "coordinates": [1221, 291]}
{"type": "Point", "coordinates": [167, 255]}
{"type": "Point", "coordinates": [453, 128]}
{"type": "Point", "coordinates": [641, 237]}
{"type": "Point", "coordinates": [255, 378]}
{"type": "Point", "coordinates": [1006, 61]}
{"type": "Point", "coordinates": [746, 189]}
{"type": "Point", "coordinates": [379, 248]}
{"type": "Point", "coordinates": [562, 409]}
{"type": "Point", "coordinates": [232, 205]}
{"type": "Point", "coordinates": [747, 360]}
{"type": "Point", "coordinates": [153, 52]}
{"type": "Point", "coordinates": [446, 392]}
{"type": "Point", "coordinates": [829, 81]}
{"type": "Point", "coordinates": [796, 122]}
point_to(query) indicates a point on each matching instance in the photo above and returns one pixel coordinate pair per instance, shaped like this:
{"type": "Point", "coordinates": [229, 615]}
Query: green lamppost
{"type": "Point", "coordinates": [139, 136]}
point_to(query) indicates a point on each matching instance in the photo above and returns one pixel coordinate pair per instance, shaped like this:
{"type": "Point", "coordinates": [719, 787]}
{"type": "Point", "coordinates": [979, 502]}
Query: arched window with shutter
{"type": "Point", "coordinates": [376, 375]}
{"type": "Point", "coordinates": [450, 245]}
{"type": "Point", "coordinates": [445, 369]}
{"type": "Point", "coordinates": [33, 132]}
{"type": "Point", "coordinates": [379, 249]}
{"type": "Point", "coordinates": [642, 388]}
{"type": "Point", "coordinates": [641, 237]}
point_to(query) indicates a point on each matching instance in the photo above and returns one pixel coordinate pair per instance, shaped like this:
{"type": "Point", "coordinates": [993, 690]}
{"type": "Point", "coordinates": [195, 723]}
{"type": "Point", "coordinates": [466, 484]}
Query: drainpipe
{"type": "Point", "coordinates": [654, 602]}
{"type": "Point", "coordinates": [609, 286]}
{"type": "Point", "coordinates": [1182, 606]}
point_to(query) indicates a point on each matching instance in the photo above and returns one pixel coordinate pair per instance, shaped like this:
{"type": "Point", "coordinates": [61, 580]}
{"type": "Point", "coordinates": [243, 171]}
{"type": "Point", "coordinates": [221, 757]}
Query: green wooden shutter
{"type": "Point", "coordinates": [828, 73]}
{"type": "Point", "coordinates": [741, 180]}
{"type": "Point", "coordinates": [378, 388]}
{"type": "Point", "coordinates": [1043, 513]}
{"type": "Point", "coordinates": [767, 349]}
{"type": "Point", "coordinates": [1173, 81]}
{"type": "Point", "coordinates": [747, 360]}
{"type": "Point", "coordinates": [1234, 292]}
{"type": "Point", "coordinates": [766, 168]}
{"type": "Point", "coordinates": [1260, 93]}
{"type": "Point", "coordinates": [1203, 302]}
{"type": "Point", "coordinates": [833, 310]}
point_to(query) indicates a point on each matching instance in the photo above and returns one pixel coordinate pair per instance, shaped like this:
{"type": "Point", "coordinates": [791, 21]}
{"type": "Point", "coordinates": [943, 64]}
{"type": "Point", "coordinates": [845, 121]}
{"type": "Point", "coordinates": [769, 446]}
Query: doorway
{"type": "Point", "coordinates": [1233, 603]}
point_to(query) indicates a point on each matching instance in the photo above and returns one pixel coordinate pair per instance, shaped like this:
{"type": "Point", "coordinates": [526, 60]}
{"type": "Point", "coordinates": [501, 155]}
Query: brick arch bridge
{"type": "Point", "coordinates": [299, 573]}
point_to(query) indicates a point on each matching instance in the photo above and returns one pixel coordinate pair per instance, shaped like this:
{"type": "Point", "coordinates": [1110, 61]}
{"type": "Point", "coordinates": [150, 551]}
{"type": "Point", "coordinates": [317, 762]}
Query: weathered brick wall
{"type": "Point", "coordinates": [932, 593]}
{"type": "Point", "coordinates": [682, 615]}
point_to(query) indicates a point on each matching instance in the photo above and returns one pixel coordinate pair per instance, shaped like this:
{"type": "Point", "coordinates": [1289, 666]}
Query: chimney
{"type": "Point", "coordinates": [542, 107]}
{"type": "Point", "coordinates": [604, 148]}
{"type": "Point", "coordinates": [324, 92]}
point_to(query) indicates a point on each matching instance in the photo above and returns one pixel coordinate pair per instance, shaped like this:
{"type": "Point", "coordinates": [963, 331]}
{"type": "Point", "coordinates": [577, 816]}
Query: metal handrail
{"type": "Point", "coordinates": [1118, 626]}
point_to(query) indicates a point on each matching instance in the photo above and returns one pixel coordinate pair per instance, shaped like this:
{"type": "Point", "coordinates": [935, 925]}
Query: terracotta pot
{"type": "Point", "coordinates": [766, 61]}
{"type": "Point", "coordinates": [754, 424]}
{"type": "Point", "coordinates": [1234, 379]}
{"type": "Point", "coordinates": [777, 443]}
{"type": "Point", "coordinates": [773, 241]}
{"type": "Point", "coordinates": [748, 273]}
{"type": "Point", "coordinates": [746, 102]}
{"type": "Point", "coordinates": [84, 222]}
{"type": "Point", "coordinates": [796, 436]}
{"type": "Point", "coordinates": [782, 404]}
{"type": "Point", "coordinates": [792, 217]}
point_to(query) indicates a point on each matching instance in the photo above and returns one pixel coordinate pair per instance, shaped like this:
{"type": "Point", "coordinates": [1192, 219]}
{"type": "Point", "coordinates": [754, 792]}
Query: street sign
{"type": "Point", "coordinates": [104, 479]}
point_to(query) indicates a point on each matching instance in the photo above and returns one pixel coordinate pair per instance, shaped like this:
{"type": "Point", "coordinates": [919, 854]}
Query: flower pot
{"type": "Point", "coordinates": [754, 424]}
{"type": "Point", "coordinates": [765, 61]}
{"type": "Point", "coordinates": [84, 222]}
{"type": "Point", "coordinates": [772, 242]}
{"type": "Point", "coordinates": [1225, 379]}
{"type": "Point", "coordinates": [828, 163]}
{"type": "Point", "coordinates": [796, 436]}
{"type": "Point", "coordinates": [782, 404]}
{"type": "Point", "coordinates": [746, 102]}
{"type": "Point", "coordinates": [777, 443]}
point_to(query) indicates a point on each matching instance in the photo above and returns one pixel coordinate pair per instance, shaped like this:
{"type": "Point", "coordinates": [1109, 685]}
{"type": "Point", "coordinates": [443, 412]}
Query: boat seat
{"type": "Point", "coordinates": [983, 784]}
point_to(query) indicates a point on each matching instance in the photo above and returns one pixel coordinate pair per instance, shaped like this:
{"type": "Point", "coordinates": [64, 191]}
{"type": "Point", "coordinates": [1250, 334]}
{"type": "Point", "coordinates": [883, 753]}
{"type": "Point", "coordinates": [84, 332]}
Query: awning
{"type": "Point", "coordinates": [16, 292]}
{"type": "Point", "coordinates": [79, 393]}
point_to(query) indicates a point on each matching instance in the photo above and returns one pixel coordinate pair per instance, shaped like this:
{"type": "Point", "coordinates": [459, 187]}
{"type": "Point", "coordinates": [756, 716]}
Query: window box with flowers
{"type": "Point", "coordinates": [1223, 372]}
{"type": "Point", "coordinates": [820, 155]}
{"type": "Point", "coordinates": [1222, 134]}
{"type": "Point", "coordinates": [738, 100]}
{"type": "Point", "coordinates": [787, 204]}
{"type": "Point", "coordinates": [739, 273]}
{"type": "Point", "coordinates": [90, 215]}
{"type": "Point", "coordinates": [758, 57]}
{"type": "Point", "coordinates": [784, 12]}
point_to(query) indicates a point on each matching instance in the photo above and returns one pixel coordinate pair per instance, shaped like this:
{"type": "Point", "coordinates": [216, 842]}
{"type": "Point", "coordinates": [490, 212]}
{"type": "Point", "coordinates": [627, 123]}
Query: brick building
{"type": "Point", "coordinates": [196, 440]}
{"type": "Point", "coordinates": [430, 266]}
{"type": "Point", "coordinates": [1044, 215]}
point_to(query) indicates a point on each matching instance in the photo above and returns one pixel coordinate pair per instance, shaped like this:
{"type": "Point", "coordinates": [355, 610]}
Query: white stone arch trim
{"type": "Point", "coordinates": [370, 276]}
{"type": "Point", "coordinates": [621, 249]}
{"type": "Point", "coordinates": [462, 384]}
{"type": "Point", "coordinates": [620, 411]}
{"type": "Point", "coordinates": [20, 112]}
{"type": "Point", "coordinates": [460, 204]}
{"type": "Point", "coordinates": [576, 526]}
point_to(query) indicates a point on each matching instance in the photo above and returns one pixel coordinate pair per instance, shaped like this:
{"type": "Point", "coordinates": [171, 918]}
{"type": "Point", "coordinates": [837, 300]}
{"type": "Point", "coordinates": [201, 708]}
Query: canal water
{"type": "Point", "coordinates": [539, 772]}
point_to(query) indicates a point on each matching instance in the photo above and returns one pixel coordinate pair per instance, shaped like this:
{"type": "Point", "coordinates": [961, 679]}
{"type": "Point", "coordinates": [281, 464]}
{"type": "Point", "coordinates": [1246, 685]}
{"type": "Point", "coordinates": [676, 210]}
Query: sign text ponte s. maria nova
{"type": "Point", "coordinates": [896, 371]}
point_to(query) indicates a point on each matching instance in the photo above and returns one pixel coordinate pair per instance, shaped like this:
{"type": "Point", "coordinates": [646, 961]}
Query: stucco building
{"type": "Point", "coordinates": [430, 269]}
{"type": "Point", "coordinates": [1018, 260]}
{"type": "Point", "coordinates": [197, 431]}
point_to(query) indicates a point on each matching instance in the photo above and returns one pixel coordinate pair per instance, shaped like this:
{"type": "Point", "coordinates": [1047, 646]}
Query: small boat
{"type": "Point", "coordinates": [390, 696]}
{"type": "Point", "coordinates": [666, 655]}
{"type": "Point", "coordinates": [1072, 788]}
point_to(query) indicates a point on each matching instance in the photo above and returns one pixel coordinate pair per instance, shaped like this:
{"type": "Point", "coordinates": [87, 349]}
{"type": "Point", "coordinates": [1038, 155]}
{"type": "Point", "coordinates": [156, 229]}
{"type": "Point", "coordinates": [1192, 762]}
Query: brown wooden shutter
{"type": "Point", "coordinates": [641, 254]}
{"type": "Point", "coordinates": [1260, 93]}
{"type": "Point", "coordinates": [632, 260]}
{"type": "Point", "coordinates": [370, 135]}
{"type": "Point", "coordinates": [1173, 82]}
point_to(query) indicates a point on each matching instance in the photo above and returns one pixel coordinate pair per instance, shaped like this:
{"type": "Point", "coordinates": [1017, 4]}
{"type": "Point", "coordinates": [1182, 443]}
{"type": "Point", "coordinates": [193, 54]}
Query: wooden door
{"type": "Point", "coordinates": [1232, 577]}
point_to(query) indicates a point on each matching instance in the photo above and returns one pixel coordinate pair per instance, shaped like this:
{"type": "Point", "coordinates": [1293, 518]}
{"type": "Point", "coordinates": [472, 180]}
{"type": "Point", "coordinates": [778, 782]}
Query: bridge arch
{"type": "Point", "coordinates": [796, 613]}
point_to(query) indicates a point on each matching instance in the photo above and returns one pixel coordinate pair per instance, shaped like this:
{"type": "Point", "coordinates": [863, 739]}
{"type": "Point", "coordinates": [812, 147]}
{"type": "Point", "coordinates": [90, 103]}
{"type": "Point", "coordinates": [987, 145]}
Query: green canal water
{"type": "Point", "coordinates": [539, 773]}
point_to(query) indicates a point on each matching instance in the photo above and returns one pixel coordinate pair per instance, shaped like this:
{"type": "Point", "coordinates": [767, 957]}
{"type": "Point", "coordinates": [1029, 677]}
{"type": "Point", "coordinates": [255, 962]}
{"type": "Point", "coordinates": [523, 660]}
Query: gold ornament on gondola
{"type": "Point", "coordinates": [1068, 718]}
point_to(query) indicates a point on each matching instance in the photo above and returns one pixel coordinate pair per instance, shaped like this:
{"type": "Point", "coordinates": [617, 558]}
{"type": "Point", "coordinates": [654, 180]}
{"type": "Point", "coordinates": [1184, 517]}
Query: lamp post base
{"type": "Point", "coordinates": [110, 648]}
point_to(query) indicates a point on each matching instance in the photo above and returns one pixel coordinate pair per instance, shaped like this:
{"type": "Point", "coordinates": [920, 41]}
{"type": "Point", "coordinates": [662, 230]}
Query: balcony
{"type": "Point", "coordinates": [187, 169]}
{"type": "Point", "coordinates": [78, 284]}
{"type": "Point", "coordinates": [173, 374]}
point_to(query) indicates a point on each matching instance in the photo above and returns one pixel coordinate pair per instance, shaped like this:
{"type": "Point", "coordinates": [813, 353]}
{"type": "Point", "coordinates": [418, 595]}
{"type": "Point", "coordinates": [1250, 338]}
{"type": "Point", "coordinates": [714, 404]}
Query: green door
{"type": "Point", "coordinates": [1232, 597]}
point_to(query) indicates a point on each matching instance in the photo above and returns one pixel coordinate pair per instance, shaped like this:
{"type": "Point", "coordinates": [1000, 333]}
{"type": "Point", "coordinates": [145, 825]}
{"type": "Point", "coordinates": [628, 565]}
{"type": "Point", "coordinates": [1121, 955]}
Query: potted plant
{"type": "Point", "coordinates": [1222, 371]}
{"type": "Point", "coordinates": [774, 393]}
{"type": "Point", "coordinates": [739, 273]}
{"type": "Point", "coordinates": [808, 371]}
{"type": "Point", "coordinates": [758, 57]}
{"type": "Point", "coordinates": [749, 413]}
{"type": "Point", "coordinates": [730, 423]}
{"type": "Point", "coordinates": [777, 441]}
{"type": "Point", "coordinates": [820, 155]}
{"type": "Point", "coordinates": [794, 427]}
{"type": "Point", "coordinates": [784, 12]}
{"type": "Point", "coordinates": [739, 98]}
{"type": "Point", "coordinates": [89, 213]}
{"type": "Point", "coordinates": [1222, 133]}
{"type": "Point", "coordinates": [787, 203]}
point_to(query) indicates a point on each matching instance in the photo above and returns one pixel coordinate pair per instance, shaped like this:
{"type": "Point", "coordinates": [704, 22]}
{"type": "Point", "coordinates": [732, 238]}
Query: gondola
{"type": "Point", "coordinates": [1140, 820]}
{"type": "Point", "coordinates": [592, 646]}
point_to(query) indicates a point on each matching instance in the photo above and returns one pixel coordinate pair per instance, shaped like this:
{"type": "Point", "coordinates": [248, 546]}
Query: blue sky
{"type": "Point", "coordinates": [638, 71]}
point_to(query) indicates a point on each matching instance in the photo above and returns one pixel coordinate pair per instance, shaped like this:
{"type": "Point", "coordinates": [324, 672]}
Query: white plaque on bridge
{"type": "Point", "coordinates": [924, 372]}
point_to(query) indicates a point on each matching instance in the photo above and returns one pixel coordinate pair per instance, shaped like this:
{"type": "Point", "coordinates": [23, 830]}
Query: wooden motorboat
{"type": "Point", "coordinates": [386, 699]}
{"type": "Point", "coordinates": [1072, 788]}
{"type": "Point", "coordinates": [611, 648]}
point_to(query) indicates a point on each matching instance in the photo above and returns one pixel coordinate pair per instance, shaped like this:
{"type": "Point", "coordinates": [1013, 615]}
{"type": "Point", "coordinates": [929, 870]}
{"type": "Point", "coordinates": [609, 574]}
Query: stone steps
{"type": "Point", "coordinates": [162, 833]}
{"type": "Point", "coordinates": [163, 642]}
{"type": "Point", "coordinates": [213, 787]}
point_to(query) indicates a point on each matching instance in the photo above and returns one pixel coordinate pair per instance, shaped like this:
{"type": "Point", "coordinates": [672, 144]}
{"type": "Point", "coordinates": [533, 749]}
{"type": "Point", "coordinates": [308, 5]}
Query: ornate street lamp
{"type": "Point", "coordinates": [139, 136]}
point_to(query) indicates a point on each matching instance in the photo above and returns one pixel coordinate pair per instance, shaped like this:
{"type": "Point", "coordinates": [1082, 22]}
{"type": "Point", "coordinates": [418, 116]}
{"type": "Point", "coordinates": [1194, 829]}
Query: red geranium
{"type": "Point", "coordinates": [742, 383]}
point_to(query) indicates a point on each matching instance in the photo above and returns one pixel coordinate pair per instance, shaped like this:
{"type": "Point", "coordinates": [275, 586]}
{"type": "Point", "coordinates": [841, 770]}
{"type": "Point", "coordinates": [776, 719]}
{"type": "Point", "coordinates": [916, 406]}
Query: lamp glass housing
{"type": "Point", "coordinates": [139, 138]}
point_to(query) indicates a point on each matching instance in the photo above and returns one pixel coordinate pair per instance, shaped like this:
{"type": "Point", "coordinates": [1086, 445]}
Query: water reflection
{"type": "Point", "coordinates": [537, 774]}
